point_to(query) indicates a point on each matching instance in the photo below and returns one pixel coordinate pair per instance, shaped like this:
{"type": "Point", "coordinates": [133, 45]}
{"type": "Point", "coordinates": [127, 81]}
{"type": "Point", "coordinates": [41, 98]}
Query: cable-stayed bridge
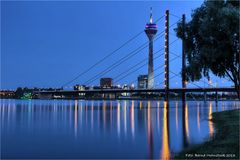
{"type": "Point", "coordinates": [163, 52]}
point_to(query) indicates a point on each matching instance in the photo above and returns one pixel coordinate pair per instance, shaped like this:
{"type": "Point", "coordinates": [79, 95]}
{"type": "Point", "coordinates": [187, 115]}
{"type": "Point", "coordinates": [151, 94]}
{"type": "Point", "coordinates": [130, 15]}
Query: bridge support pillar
{"type": "Point", "coordinates": [183, 60]}
{"type": "Point", "coordinates": [216, 97]}
{"type": "Point", "coordinates": [166, 75]}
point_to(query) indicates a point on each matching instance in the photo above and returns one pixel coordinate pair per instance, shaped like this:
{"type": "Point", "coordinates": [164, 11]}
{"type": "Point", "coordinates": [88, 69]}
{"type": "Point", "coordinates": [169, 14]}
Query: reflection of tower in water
{"type": "Point", "coordinates": [149, 131]}
{"type": "Point", "coordinates": [165, 133]}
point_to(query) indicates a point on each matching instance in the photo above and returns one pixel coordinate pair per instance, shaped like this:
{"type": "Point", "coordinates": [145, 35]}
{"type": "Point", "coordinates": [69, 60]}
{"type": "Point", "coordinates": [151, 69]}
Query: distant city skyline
{"type": "Point", "coordinates": [46, 44]}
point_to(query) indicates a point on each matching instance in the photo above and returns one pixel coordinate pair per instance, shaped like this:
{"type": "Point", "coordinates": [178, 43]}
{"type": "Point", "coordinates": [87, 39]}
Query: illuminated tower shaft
{"type": "Point", "coordinates": [150, 30]}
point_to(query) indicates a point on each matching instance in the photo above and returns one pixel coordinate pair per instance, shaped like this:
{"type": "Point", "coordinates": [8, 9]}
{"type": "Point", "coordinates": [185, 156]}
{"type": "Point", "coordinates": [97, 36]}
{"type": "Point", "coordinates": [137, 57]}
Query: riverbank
{"type": "Point", "coordinates": [224, 145]}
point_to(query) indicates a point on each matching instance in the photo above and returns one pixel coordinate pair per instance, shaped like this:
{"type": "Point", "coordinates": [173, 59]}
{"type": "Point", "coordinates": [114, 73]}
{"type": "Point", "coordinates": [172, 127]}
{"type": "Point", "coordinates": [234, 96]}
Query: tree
{"type": "Point", "coordinates": [212, 41]}
{"type": "Point", "coordinates": [19, 93]}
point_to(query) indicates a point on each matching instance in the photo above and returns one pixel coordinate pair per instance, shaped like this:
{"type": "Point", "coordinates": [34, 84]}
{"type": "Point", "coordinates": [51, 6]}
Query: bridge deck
{"type": "Point", "coordinates": [174, 90]}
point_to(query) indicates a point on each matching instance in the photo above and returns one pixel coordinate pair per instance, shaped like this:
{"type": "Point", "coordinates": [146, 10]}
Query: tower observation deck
{"type": "Point", "coordinates": [150, 30]}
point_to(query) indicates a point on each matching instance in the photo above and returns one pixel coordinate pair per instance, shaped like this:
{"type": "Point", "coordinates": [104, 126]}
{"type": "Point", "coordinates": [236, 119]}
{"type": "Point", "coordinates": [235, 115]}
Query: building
{"type": "Point", "coordinates": [79, 87]}
{"type": "Point", "coordinates": [142, 81]}
{"type": "Point", "coordinates": [106, 82]}
{"type": "Point", "coordinates": [150, 30]}
{"type": "Point", "coordinates": [7, 94]}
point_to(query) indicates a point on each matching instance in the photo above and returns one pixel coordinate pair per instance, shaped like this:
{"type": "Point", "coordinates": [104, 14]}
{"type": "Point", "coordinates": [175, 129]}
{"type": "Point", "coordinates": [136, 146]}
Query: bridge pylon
{"type": "Point", "coordinates": [183, 60]}
{"type": "Point", "coordinates": [166, 60]}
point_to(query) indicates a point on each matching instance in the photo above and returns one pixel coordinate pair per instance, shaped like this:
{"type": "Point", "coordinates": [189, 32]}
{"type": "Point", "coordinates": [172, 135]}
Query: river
{"type": "Point", "coordinates": [104, 128]}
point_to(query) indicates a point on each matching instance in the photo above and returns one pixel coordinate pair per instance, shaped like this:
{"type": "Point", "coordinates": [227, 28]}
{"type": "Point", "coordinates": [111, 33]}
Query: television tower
{"type": "Point", "coordinates": [150, 30]}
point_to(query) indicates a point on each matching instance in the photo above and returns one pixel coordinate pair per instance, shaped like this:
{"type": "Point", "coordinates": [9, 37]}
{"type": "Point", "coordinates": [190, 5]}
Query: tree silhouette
{"type": "Point", "coordinates": [212, 41]}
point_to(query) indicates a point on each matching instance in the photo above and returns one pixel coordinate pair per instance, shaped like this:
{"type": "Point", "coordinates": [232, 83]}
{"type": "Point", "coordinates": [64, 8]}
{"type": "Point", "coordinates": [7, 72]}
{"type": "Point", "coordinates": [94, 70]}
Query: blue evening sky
{"type": "Point", "coordinates": [48, 43]}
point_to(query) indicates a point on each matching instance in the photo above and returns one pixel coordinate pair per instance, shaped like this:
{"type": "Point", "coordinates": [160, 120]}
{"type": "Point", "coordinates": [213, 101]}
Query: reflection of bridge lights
{"type": "Point", "coordinates": [132, 118]}
{"type": "Point", "coordinates": [111, 113]}
{"type": "Point", "coordinates": [149, 118]}
{"type": "Point", "coordinates": [118, 119]}
{"type": "Point", "coordinates": [149, 104]}
{"type": "Point", "coordinates": [158, 116]}
{"type": "Point", "coordinates": [140, 105]}
{"type": "Point", "coordinates": [75, 117]}
{"type": "Point", "coordinates": [198, 117]}
{"type": "Point", "coordinates": [176, 116]}
{"type": "Point", "coordinates": [104, 114]}
{"type": "Point", "coordinates": [165, 143]}
{"type": "Point", "coordinates": [125, 117]}
{"type": "Point", "coordinates": [210, 123]}
{"type": "Point", "coordinates": [158, 104]}
{"type": "Point", "coordinates": [81, 108]}
{"type": "Point", "coordinates": [92, 115]}
{"type": "Point", "coordinates": [186, 121]}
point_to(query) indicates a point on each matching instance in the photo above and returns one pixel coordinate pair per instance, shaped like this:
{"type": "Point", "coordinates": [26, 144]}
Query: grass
{"type": "Point", "coordinates": [224, 145]}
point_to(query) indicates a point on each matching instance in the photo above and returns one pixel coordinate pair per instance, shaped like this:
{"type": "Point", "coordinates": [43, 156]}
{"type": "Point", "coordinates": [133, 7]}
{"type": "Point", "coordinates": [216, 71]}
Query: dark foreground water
{"type": "Point", "coordinates": [104, 129]}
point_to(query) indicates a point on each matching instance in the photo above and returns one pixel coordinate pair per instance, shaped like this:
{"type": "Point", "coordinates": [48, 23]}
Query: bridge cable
{"type": "Point", "coordinates": [155, 68]}
{"type": "Point", "coordinates": [107, 56]}
{"type": "Point", "coordinates": [142, 65]}
{"type": "Point", "coordinates": [117, 63]}
{"type": "Point", "coordinates": [179, 75]}
{"type": "Point", "coordinates": [123, 59]}
{"type": "Point", "coordinates": [179, 56]}
{"type": "Point", "coordinates": [136, 70]}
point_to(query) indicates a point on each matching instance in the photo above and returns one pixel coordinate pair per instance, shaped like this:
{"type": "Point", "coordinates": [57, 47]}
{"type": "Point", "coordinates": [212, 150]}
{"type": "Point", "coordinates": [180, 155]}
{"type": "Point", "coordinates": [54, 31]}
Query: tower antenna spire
{"type": "Point", "coordinates": [151, 20]}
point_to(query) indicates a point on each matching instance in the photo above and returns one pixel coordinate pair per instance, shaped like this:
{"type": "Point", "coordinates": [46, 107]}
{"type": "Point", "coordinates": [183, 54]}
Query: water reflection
{"type": "Point", "coordinates": [210, 123]}
{"type": "Point", "coordinates": [149, 131]}
{"type": "Point", "coordinates": [140, 104]}
{"type": "Point", "coordinates": [92, 117]}
{"type": "Point", "coordinates": [165, 133]}
{"type": "Point", "coordinates": [118, 119]}
{"type": "Point", "coordinates": [176, 114]}
{"type": "Point", "coordinates": [75, 117]}
{"type": "Point", "coordinates": [158, 117]}
{"type": "Point", "coordinates": [198, 117]}
{"type": "Point", "coordinates": [185, 125]}
{"type": "Point", "coordinates": [132, 118]}
{"type": "Point", "coordinates": [116, 129]}
{"type": "Point", "coordinates": [125, 117]}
